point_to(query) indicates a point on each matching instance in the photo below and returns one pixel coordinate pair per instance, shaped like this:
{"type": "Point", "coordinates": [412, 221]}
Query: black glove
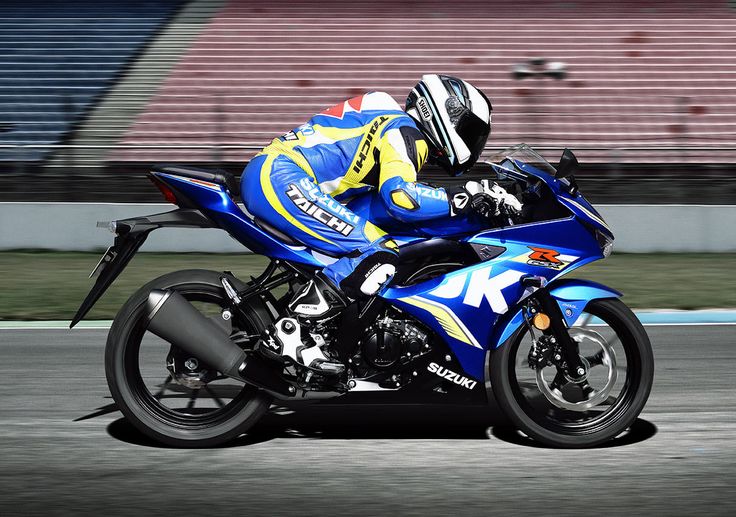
{"type": "Point", "coordinates": [484, 205]}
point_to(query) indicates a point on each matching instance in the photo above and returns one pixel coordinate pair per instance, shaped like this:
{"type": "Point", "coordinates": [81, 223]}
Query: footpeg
{"type": "Point", "coordinates": [329, 368]}
{"type": "Point", "coordinates": [283, 342]}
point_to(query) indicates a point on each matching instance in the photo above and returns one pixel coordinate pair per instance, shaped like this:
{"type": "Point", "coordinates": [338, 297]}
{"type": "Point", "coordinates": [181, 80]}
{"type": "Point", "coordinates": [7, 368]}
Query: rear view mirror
{"type": "Point", "coordinates": [568, 164]}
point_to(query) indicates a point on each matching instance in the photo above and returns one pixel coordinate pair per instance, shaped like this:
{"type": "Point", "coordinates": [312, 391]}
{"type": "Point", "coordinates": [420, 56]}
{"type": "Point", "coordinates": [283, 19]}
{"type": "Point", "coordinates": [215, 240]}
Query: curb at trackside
{"type": "Point", "coordinates": [701, 317]}
{"type": "Point", "coordinates": [653, 317]}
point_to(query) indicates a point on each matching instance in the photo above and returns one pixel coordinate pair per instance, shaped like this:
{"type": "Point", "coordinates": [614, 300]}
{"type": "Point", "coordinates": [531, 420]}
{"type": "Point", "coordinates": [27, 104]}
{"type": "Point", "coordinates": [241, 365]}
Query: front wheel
{"type": "Point", "coordinates": [556, 411]}
{"type": "Point", "coordinates": [168, 395]}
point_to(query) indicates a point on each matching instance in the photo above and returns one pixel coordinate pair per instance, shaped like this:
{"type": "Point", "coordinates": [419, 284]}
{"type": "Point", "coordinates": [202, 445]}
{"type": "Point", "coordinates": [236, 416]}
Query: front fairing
{"type": "Point", "coordinates": [560, 187]}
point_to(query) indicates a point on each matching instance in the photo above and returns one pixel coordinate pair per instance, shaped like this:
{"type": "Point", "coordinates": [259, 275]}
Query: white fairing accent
{"type": "Point", "coordinates": [451, 287]}
{"type": "Point", "coordinates": [440, 95]}
{"type": "Point", "coordinates": [377, 278]}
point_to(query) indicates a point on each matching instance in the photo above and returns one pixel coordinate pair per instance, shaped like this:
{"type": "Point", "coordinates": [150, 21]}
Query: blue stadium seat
{"type": "Point", "coordinates": [58, 58]}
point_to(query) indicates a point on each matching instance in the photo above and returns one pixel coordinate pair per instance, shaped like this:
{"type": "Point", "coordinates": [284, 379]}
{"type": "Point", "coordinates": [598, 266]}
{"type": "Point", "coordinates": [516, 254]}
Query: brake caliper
{"type": "Point", "coordinates": [540, 354]}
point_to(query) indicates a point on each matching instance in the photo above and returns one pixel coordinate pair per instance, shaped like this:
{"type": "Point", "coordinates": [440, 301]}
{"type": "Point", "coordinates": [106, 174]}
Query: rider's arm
{"type": "Point", "coordinates": [403, 152]}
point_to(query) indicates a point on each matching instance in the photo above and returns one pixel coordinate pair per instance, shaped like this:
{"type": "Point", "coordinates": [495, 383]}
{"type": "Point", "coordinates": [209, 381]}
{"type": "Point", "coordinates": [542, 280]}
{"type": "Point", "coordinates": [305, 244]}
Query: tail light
{"type": "Point", "coordinates": [165, 190]}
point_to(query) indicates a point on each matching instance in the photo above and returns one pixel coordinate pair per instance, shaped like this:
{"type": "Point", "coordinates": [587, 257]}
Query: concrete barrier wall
{"type": "Point", "coordinates": [72, 227]}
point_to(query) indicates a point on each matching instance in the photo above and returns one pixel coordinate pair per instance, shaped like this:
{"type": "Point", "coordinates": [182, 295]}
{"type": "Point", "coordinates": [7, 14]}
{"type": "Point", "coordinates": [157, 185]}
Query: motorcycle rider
{"type": "Point", "coordinates": [367, 143]}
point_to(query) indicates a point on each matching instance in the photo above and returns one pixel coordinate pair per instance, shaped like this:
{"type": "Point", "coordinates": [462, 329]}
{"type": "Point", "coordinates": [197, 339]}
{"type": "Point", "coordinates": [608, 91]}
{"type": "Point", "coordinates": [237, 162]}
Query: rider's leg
{"type": "Point", "coordinates": [285, 196]}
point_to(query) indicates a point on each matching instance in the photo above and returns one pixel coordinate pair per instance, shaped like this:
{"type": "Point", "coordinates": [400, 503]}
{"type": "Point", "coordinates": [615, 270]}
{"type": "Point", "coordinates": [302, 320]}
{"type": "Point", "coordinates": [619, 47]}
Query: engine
{"type": "Point", "coordinates": [391, 344]}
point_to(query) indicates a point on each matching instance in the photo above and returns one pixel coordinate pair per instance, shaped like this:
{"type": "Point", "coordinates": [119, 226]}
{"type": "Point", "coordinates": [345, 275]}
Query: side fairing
{"type": "Point", "coordinates": [464, 306]}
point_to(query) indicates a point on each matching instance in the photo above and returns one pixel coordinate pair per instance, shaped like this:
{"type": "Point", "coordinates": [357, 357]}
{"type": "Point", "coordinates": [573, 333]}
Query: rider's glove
{"type": "Point", "coordinates": [485, 198]}
{"type": "Point", "coordinates": [508, 204]}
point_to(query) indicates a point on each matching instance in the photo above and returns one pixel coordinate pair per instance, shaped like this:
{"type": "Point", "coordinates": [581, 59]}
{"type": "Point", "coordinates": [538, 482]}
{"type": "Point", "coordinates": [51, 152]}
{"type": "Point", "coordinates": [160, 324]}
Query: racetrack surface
{"type": "Point", "coordinates": [65, 450]}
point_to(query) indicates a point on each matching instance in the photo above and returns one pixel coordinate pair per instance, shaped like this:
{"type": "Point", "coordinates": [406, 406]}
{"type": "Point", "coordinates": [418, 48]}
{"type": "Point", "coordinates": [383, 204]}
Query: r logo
{"type": "Point", "coordinates": [544, 255]}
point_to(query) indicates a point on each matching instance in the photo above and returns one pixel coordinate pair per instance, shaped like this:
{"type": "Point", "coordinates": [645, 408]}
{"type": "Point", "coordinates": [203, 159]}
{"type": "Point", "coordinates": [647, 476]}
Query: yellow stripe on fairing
{"type": "Point", "coordinates": [445, 317]}
{"type": "Point", "coordinates": [276, 204]}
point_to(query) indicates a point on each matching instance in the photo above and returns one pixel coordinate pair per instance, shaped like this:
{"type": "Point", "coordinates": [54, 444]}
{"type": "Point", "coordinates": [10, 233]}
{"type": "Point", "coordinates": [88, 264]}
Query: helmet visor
{"type": "Point", "coordinates": [474, 133]}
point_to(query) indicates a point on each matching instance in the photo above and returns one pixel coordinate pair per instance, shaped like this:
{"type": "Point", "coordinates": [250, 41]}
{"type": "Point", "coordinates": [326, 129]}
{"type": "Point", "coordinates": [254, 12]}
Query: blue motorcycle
{"type": "Point", "coordinates": [475, 311]}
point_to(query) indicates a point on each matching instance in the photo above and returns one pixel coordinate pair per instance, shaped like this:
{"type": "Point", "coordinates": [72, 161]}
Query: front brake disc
{"type": "Point", "coordinates": [596, 395]}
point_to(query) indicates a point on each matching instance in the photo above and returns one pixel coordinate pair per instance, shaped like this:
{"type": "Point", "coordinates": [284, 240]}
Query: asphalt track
{"type": "Point", "coordinates": [65, 450]}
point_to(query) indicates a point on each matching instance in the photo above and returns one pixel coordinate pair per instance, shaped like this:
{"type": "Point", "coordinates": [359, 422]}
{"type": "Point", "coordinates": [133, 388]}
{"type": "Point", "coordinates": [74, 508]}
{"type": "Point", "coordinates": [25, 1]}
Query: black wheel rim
{"type": "Point", "coordinates": [153, 398]}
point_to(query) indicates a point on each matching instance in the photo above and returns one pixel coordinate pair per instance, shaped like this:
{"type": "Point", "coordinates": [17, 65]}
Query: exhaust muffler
{"type": "Point", "coordinates": [172, 318]}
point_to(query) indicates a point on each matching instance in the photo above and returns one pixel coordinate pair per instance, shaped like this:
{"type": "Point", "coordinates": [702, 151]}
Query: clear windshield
{"type": "Point", "coordinates": [506, 160]}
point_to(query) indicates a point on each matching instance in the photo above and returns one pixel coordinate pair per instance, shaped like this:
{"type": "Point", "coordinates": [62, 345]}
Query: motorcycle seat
{"type": "Point", "coordinates": [275, 232]}
{"type": "Point", "coordinates": [213, 176]}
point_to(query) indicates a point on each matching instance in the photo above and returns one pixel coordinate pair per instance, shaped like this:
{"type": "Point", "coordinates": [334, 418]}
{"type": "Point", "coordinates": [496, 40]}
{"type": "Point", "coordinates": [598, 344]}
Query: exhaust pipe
{"type": "Point", "coordinates": [172, 318]}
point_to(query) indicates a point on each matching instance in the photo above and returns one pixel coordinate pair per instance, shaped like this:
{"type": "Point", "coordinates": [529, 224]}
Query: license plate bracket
{"type": "Point", "coordinates": [106, 258]}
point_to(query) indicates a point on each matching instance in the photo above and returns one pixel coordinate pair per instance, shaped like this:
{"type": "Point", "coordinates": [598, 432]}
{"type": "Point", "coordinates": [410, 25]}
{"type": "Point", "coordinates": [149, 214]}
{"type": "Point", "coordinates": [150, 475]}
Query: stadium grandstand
{"type": "Point", "coordinates": [644, 86]}
{"type": "Point", "coordinates": [59, 58]}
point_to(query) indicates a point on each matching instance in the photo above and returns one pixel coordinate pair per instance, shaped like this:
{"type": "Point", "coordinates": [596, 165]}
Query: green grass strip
{"type": "Point", "coordinates": [51, 285]}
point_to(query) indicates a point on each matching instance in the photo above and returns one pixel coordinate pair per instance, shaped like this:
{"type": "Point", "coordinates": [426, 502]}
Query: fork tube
{"type": "Point", "coordinates": [559, 328]}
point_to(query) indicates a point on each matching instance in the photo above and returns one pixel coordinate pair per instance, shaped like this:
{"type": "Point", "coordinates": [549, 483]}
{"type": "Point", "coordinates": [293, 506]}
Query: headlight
{"type": "Point", "coordinates": [605, 242]}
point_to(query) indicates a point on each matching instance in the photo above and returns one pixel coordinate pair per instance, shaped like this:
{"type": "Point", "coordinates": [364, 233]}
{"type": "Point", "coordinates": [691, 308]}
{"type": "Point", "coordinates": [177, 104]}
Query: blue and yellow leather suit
{"type": "Point", "coordinates": [368, 143]}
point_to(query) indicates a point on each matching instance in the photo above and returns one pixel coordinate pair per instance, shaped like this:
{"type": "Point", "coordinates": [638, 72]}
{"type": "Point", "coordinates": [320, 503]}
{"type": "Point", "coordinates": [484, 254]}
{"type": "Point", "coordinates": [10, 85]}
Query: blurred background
{"type": "Point", "coordinates": [93, 93]}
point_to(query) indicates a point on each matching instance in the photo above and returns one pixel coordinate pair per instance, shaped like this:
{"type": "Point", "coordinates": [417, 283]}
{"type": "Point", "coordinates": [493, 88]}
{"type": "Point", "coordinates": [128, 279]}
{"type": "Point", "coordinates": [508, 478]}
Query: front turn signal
{"type": "Point", "coordinates": [541, 321]}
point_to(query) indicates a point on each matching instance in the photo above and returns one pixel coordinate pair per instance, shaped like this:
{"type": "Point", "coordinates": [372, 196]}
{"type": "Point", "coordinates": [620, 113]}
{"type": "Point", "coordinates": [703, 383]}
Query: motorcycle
{"type": "Point", "coordinates": [475, 311]}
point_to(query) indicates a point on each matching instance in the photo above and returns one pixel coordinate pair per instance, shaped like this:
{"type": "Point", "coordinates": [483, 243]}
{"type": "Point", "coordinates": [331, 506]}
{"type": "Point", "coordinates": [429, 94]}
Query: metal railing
{"type": "Point", "coordinates": [625, 174]}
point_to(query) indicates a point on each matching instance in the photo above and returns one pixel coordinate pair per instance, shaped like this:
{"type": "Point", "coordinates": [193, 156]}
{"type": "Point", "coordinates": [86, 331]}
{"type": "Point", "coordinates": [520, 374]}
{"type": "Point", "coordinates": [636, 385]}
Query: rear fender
{"type": "Point", "coordinates": [573, 295]}
{"type": "Point", "coordinates": [130, 234]}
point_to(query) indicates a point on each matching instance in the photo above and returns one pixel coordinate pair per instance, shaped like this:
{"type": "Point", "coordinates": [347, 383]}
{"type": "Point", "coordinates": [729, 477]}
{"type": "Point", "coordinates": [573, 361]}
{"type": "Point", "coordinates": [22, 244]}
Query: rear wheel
{"type": "Point", "coordinates": [168, 395]}
{"type": "Point", "coordinates": [551, 408]}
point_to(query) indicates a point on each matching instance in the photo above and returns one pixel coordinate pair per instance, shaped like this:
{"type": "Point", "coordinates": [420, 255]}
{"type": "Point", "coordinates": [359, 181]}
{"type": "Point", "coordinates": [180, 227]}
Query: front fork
{"type": "Point", "coordinates": [557, 332]}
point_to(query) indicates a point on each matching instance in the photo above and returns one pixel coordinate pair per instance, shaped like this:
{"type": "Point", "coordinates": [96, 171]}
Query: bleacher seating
{"type": "Point", "coordinates": [640, 72]}
{"type": "Point", "coordinates": [57, 58]}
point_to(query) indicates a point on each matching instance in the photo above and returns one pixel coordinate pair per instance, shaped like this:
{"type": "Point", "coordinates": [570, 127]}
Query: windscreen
{"type": "Point", "coordinates": [521, 153]}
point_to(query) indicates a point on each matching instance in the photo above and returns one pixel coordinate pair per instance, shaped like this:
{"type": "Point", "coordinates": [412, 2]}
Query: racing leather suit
{"type": "Point", "coordinates": [297, 183]}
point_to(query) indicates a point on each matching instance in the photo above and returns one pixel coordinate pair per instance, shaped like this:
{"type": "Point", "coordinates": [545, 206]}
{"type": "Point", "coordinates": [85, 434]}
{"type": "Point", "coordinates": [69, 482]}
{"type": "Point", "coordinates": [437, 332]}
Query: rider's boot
{"type": "Point", "coordinates": [289, 339]}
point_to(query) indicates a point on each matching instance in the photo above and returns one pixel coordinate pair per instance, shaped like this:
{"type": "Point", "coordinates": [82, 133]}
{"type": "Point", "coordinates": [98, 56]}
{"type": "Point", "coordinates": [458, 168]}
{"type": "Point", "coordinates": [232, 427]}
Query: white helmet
{"type": "Point", "coordinates": [454, 116]}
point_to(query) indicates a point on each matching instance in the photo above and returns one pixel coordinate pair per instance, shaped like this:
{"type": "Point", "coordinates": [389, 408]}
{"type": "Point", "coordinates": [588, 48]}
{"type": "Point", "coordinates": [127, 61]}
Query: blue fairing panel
{"type": "Point", "coordinates": [574, 294]}
{"type": "Point", "coordinates": [465, 307]}
{"type": "Point", "coordinates": [571, 294]}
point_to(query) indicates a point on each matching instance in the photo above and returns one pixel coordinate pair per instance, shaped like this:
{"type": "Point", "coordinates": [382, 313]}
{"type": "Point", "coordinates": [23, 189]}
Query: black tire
{"type": "Point", "coordinates": [145, 411]}
{"type": "Point", "coordinates": [601, 426]}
